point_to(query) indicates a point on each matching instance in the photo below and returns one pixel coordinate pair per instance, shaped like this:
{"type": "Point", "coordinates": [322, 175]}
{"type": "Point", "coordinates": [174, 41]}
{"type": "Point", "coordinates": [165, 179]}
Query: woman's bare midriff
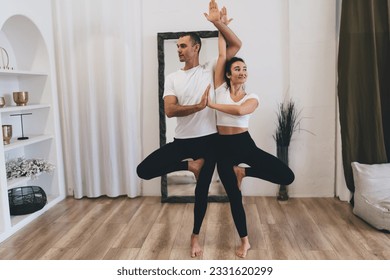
{"type": "Point", "coordinates": [230, 130]}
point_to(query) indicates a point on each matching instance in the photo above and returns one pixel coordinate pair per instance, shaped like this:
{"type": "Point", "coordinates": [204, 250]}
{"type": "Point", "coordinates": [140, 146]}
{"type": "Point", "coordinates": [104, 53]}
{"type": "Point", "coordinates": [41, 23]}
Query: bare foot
{"type": "Point", "coordinates": [195, 166]}
{"type": "Point", "coordinates": [240, 174]}
{"type": "Point", "coordinates": [244, 247]}
{"type": "Point", "coordinates": [196, 250]}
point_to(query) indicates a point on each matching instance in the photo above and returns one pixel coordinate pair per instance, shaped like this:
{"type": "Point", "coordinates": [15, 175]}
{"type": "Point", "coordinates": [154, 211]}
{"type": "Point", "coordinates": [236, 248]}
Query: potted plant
{"type": "Point", "coordinates": [287, 123]}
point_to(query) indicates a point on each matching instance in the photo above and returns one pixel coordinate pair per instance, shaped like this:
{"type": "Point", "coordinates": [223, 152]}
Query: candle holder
{"type": "Point", "coordinates": [7, 133]}
{"type": "Point", "coordinates": [21, 123]}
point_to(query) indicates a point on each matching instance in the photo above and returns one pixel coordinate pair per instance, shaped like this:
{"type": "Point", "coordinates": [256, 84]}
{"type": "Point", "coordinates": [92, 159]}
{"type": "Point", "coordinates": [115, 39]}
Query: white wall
{"type": "Point", "coordinates": [313, 85]}
{"type": "Point", "coordinates": [290, 49]}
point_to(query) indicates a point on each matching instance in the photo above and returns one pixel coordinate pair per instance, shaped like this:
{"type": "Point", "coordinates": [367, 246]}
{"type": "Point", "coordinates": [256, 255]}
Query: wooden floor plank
{"type": "Point", "coordinates": [161, 238]}
{"type": "Point", "coordinates": [343, 242]}
{"type": "Point", "coordinates": [126, 210]}
{"type": "Point", "coordinates": [48, 236]}
{"type": "Point", "coordinates": [320, 255]}
{"type": "Point", "coordinates": [183, 254]}
{"type": "Point", "coordinates": [87, 226]}
{"type": "Point", "coordinates": [264, 210]}
{"type": "Point", "coordinates": [255, 229]}
{"type": "Point", "coordinates": [138, 228]}
{"type": "Point", "coordinates": [219, 213]}
{"type": "Point", "coordinates": [75, 207]}
{"type": "Point", "coordinates": [220, 234]}
{"type": "Point", "coordinates": [159, 242]}
{"type": "Point", "coordinates": [256, 254]}
{"type": "Point", "coordinates": [320, 211]}
{"type": "Point", "coordinates": [304, 227]}
{"type": "Point", "coordinates": [182, 240]}
{"type": "Point", "coordinates": [121, 254]}
{"type": "Point", "coordinates": [60, 254]}
{"type": "Point", "coordinates": [8, 253]}
{"type": "Point", "coordinates": [281, 242]}
{"type": "Point", "coordinates": [94, 248]}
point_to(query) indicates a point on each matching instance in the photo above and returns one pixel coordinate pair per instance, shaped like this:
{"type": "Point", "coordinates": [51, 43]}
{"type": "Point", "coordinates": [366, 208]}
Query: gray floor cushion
{"type": "Point", "coordinates": [372, 193]}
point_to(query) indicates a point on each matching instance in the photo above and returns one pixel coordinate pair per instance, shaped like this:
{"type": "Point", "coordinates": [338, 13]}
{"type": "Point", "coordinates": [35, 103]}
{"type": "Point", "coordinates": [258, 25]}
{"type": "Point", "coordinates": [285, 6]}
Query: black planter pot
{"type": "Point", "coordinates": [282, 154]}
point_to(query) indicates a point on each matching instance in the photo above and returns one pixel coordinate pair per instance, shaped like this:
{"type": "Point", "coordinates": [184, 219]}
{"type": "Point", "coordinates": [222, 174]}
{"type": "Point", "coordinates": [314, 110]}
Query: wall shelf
{"type": "Point", "coordinates": [23, 143]}
{"type": "Point", "coordinates": [17, 109]}
{"type": "Point", "coordinates": [17, 73]}
{"type": "Point", "coordinates": [42, 123]}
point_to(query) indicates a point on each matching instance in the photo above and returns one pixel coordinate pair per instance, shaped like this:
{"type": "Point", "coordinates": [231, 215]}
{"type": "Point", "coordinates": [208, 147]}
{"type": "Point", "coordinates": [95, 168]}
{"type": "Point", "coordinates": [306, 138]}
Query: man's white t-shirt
{"type": "Point", "coordinates": [188, 86]}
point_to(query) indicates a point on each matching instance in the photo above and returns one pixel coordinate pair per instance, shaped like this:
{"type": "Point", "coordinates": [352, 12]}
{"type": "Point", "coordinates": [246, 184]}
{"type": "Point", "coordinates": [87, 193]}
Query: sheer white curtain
{"type": "Point", "coordinates": [98, 56]}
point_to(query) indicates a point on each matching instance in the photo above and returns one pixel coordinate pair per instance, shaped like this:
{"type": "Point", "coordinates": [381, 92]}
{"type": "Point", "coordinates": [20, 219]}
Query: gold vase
{"type": "Point", "coordinates": [20, 98]}
{"type": "Point", "coordinates": [7, 133]}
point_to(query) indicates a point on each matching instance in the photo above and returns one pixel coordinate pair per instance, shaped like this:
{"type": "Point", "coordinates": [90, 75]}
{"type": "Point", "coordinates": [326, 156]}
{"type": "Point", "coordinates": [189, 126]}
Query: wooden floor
{"type": "Point", "coordinates": [144, 228]}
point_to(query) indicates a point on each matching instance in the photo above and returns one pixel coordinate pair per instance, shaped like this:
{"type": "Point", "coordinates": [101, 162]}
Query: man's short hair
{"type": "Point", "coordinates": [195, 38]}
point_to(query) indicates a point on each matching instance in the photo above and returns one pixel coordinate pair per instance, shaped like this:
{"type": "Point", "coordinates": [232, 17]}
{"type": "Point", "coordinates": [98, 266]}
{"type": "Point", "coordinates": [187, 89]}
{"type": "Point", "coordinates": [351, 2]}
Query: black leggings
{"type": "Point", "coordinates": [240, 148]}
{"type": "Point", "coordinates": [170, 158]}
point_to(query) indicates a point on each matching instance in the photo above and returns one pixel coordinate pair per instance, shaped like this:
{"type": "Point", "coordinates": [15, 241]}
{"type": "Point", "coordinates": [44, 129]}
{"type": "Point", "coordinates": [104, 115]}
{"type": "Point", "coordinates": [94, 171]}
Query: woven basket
{"type": "Point", "coordinates": [26, 200]}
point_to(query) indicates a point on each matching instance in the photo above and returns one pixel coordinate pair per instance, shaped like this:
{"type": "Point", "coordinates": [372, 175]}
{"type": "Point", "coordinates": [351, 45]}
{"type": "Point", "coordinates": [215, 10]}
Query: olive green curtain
{"type": "Point", "coordinates": [364, 83]}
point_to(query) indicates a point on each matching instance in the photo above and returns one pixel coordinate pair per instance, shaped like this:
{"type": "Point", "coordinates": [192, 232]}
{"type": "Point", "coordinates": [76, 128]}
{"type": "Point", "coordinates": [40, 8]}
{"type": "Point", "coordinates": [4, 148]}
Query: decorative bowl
{"type": "Point", "coordinates": [20, 98]}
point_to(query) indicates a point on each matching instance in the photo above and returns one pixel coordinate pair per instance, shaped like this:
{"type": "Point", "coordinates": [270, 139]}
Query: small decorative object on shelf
{"type": "Point", "coordinates": [22, 167]}
{"type": "Point", "coordinates": [26, 200]}
{"type": "Point", "coordinates": [2, 102]}
{"type": "Point", "coordinates": [7, 133]}
{"type": "Point", "coordinates": [5, 59]}
{"type": "Point", "coordinates": [21, 123]}
{"type": "Point", "coordinates": [20, 97]}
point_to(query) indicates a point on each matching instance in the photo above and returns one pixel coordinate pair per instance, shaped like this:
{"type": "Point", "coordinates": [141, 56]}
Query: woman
{"type": "Point", "coordinates": [234, 107]}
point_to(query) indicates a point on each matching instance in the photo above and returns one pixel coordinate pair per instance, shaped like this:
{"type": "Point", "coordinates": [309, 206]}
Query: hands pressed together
{"type": "Point", "coordinates": [206, 100]}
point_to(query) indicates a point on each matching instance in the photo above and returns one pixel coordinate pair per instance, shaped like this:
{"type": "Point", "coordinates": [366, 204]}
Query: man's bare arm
{"type": "Point", "coordinates": [173, 109]}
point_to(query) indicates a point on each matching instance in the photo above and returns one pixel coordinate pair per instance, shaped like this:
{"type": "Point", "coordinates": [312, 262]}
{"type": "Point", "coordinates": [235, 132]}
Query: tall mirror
{"type": "Point", "coordinates": [180, 186]}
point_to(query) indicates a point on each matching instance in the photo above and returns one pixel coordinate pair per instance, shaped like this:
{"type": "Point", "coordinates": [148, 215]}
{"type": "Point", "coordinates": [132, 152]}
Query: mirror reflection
{"type": "Point", "coordinates": [180, 186]}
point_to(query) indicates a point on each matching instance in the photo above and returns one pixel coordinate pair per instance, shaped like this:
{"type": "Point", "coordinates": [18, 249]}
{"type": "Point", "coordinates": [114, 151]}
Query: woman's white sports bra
{"type": "Point", "coordinates": [223, 97]}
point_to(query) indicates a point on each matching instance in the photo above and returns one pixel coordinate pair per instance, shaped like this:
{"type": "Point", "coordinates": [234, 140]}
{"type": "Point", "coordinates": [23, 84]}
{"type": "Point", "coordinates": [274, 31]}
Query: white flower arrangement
{"type": "Point", "coordinates": [22, 167]}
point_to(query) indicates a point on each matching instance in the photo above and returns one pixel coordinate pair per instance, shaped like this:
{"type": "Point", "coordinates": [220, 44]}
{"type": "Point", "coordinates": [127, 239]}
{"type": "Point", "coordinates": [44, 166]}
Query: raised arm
{"type": "Point", "coordinates": [215, 16]}
{"type": "Point", "coordinates": [220, 67]}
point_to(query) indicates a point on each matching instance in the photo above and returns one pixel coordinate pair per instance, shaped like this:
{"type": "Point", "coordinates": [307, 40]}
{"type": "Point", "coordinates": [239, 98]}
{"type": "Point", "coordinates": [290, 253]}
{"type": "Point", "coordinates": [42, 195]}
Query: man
{"type": "Point", "coordinates": [185, 97]}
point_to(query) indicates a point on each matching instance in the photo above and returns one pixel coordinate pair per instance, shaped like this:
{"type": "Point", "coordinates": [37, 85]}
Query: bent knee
{"type": "Point", "coordinates": [289, 178]}
{"type": "Point", "coordinates": [142, 172]}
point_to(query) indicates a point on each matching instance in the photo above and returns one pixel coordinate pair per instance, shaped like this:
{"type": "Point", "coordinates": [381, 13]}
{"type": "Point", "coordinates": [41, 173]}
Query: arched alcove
{"type": "Point", "coordinates": [28, 50]}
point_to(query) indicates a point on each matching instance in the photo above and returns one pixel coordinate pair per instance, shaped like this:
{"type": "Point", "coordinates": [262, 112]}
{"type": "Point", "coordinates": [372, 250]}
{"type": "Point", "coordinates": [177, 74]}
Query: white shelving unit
{"type": "Point", "coordinates": [29, 45]}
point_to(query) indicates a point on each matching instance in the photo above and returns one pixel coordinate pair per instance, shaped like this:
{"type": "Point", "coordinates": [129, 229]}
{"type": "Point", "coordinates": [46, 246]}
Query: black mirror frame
{"type": "Point", "coordinates": [161, 78]}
